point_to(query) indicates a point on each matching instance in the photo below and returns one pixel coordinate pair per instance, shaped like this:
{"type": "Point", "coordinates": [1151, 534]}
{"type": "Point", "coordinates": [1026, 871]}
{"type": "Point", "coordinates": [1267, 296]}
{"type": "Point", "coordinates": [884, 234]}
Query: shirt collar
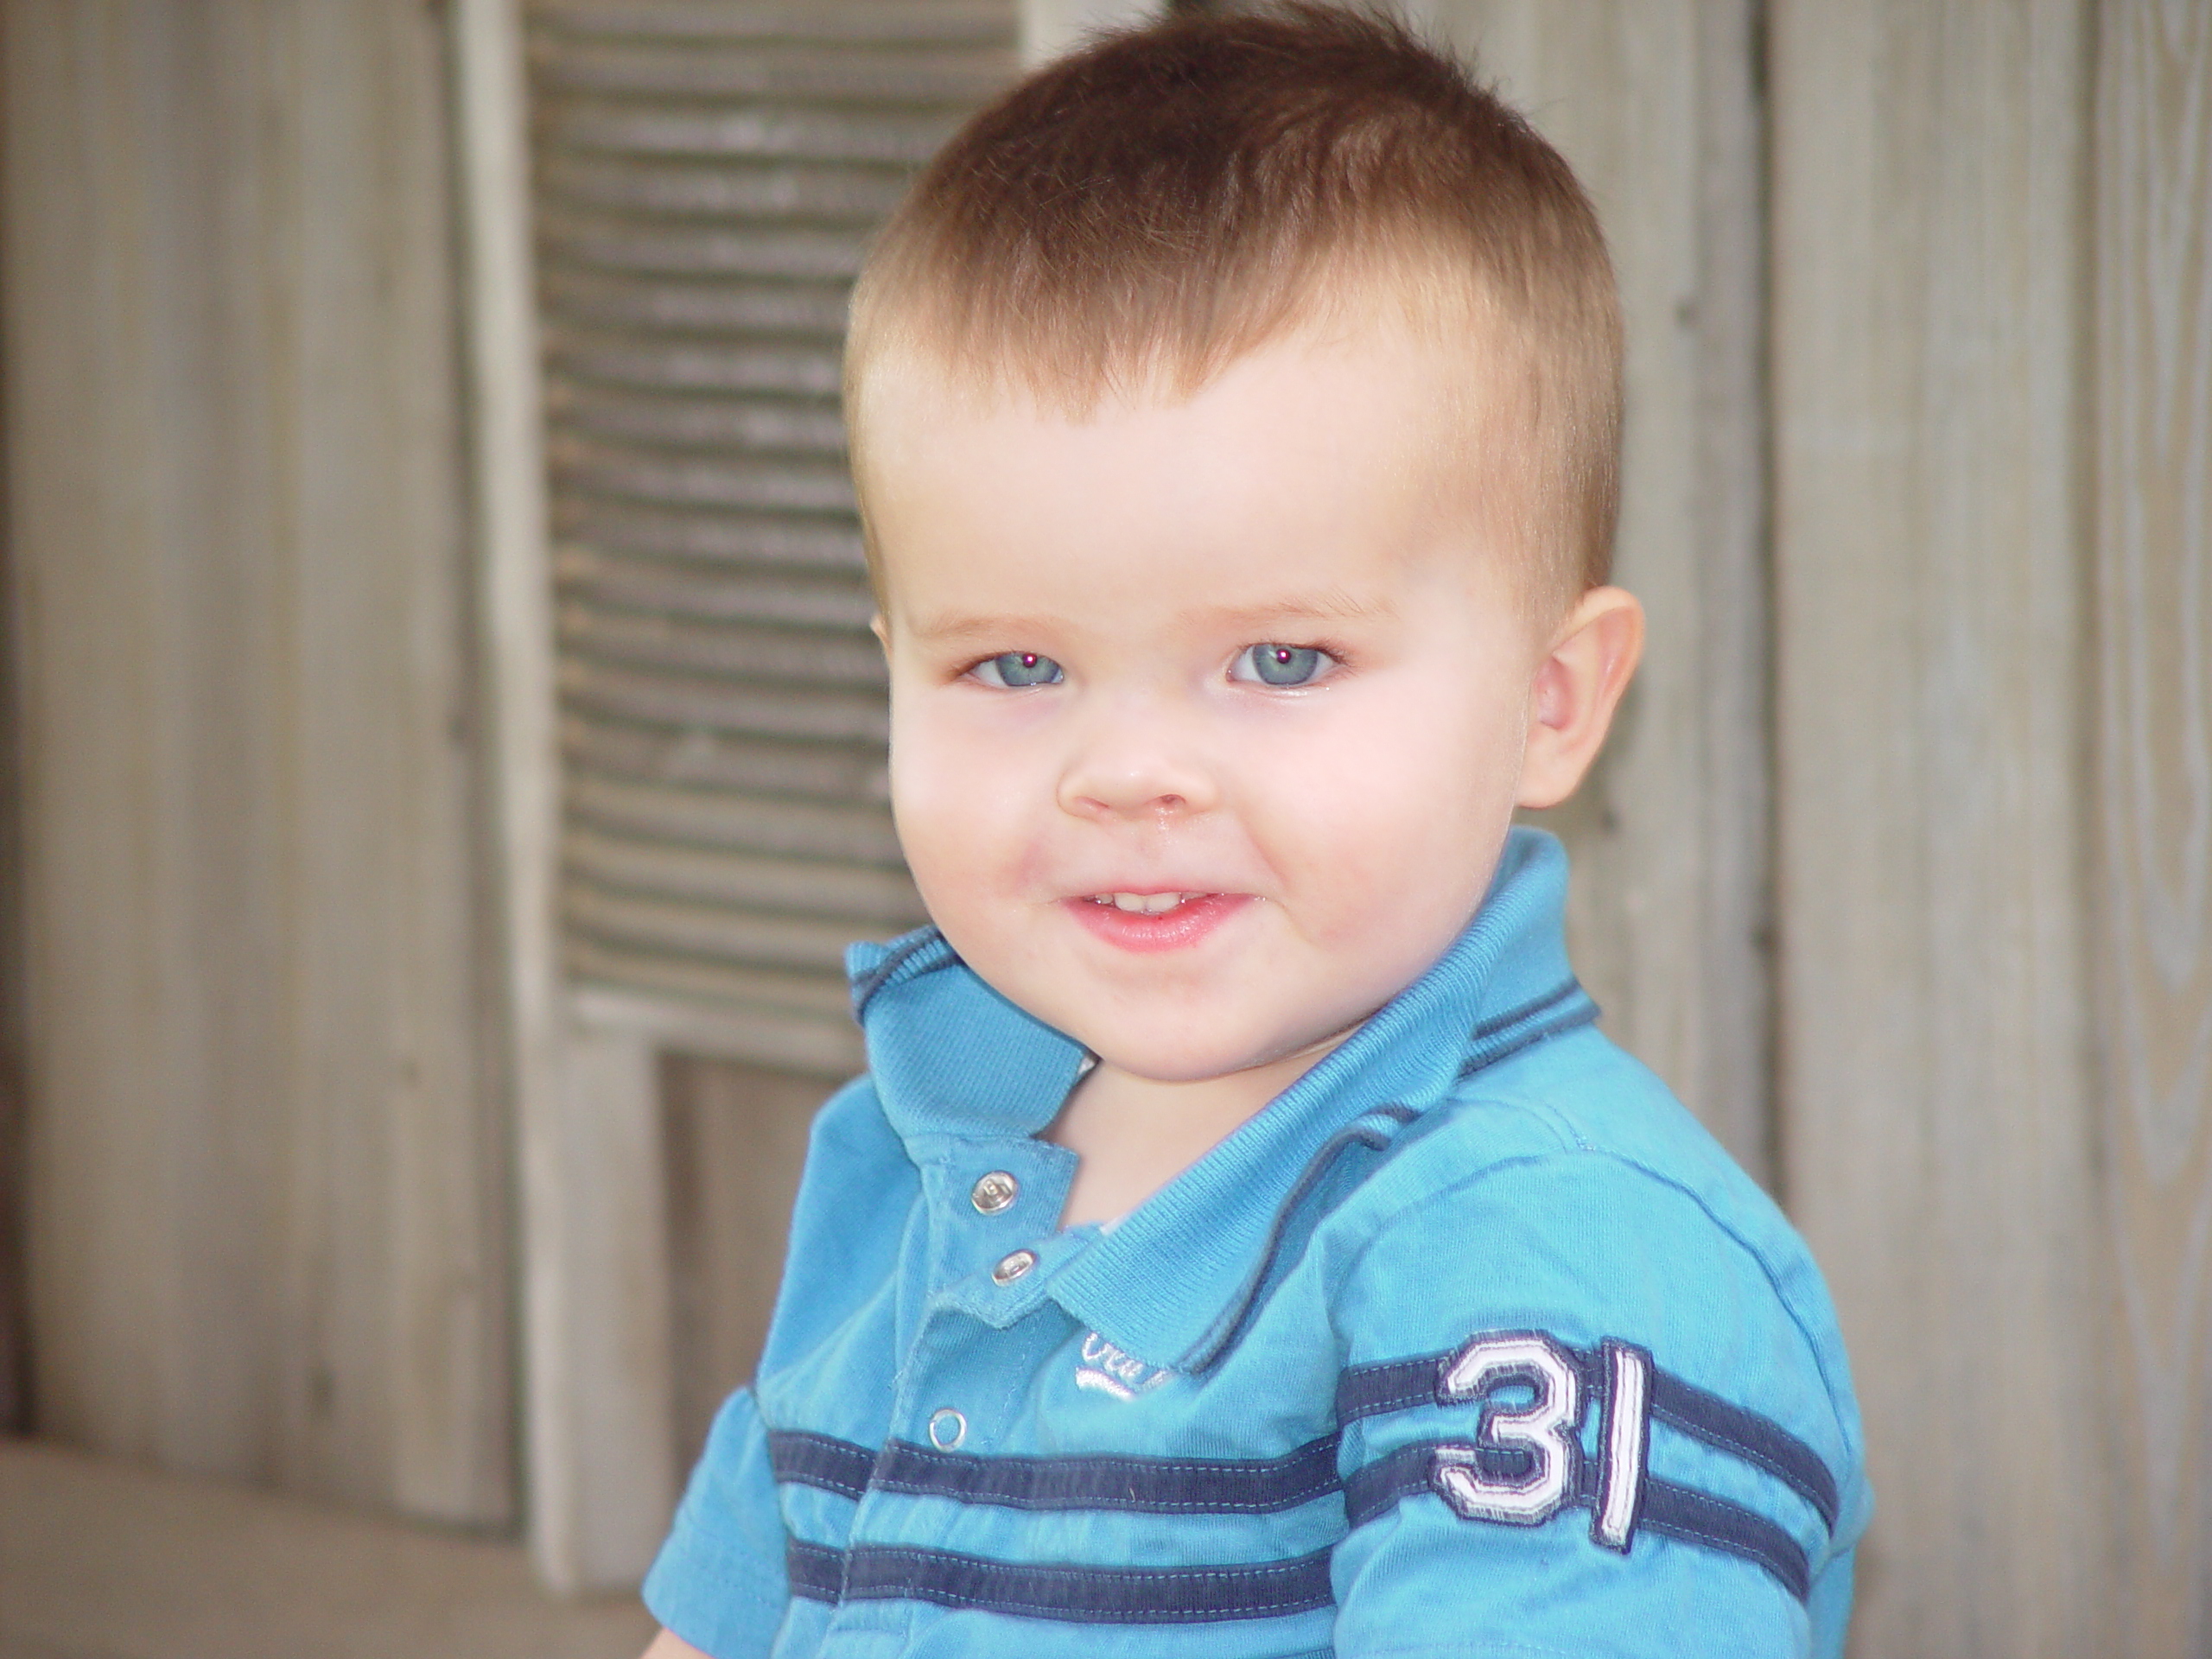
{"type": "Point", "coordinates": [950, 1057]}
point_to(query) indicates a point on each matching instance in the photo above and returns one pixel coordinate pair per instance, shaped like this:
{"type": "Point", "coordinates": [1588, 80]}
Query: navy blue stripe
{"type": "Point", "coordinates": [1394, 1385]}
{"type": "Point", "coordinates": [1088, 1595]}
{"type": "Point", "coordinates": [1755, 1438]}
{"type": "Point", "coordinates": [816, 1572]}
{"type": "Point", "coordinates": [800, 1459]}
{"type": "Point", "coordinates": [1699, 1518]}
{"type": "Point", "coordinates": [1572, 1019]}
{"type": "Point", "coordinates": [1677, 1511]}
{"type": "Point", "coordinates": [1382, 1486]}
{"type": "Point", "coordinates": [1149, 1485]}
{"type": "Point", "coordinates": [865, 988]}
{"type": "Point", "coordinates": [1528, 1010]}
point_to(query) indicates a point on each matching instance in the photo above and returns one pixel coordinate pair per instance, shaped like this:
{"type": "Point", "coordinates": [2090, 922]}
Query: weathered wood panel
{"type": "Point", "coordinates": [2152, 256]}
{"type": "Point", "coordinates": [1655, 102]}
{"type": "Point", "coordinates": [265, 1173]}
{"type": "Point", "coordinates": [15, 1289]}
{"type": "Point", "coordinates": [734, 1138]}
{"type": "Point", "coordinates": [1937, 1124]}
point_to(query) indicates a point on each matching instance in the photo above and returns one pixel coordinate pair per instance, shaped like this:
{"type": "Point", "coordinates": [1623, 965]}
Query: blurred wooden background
{"type": "Point", "coordinates": [444, 757]}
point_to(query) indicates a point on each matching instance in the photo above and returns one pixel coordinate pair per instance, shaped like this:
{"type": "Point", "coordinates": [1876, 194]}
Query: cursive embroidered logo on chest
{"type": "Point", "coordinates": [1108, 1369]}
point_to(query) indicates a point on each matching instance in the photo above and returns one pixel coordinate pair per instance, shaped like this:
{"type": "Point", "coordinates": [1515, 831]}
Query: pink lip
{"type": "Point", "coordinates": [1175, 930]}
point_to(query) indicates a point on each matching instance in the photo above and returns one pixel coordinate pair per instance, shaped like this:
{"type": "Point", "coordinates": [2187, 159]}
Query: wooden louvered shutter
{"type": "Point", "coordinates": [706, 179]}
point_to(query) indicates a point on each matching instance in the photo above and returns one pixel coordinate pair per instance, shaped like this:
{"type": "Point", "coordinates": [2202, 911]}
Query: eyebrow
{"type": "Point", "coordinates": [955, 629]}
{"type": "Point", "coordinates": [1330, 607]}
{"type": "Point", "coordinates": [1334, 605]}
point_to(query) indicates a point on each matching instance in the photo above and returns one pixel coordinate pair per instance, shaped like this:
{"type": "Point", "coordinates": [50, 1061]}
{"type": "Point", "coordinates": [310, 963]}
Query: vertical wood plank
{"type": "Point", "coordinates": [409, 1284]}
{"type": "Point", "coordinates": [595, 1514]}
{"type": "Point", "coordinates": [1937, 1123]}
{"type": "Point", "coordinates": [603, 1390]}
{"type": "Point", "coordinates": [15, 1285]}
{"type": "Point", "coordinates": [735, 1142]}
{"type": "Point", "coordinates": [143, 543]}
{"type": "Point", "coordinates": [1656, 103]}
{"type": "Point", "coordinates": [265, 1177]}
{"type": "Point", "coordinates": [2153, 457]}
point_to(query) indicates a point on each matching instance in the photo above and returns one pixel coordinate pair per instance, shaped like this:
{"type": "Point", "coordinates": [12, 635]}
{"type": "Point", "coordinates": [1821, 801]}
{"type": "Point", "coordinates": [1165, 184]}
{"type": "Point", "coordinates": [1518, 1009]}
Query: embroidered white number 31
{"type": "Point", "coordinates": [1543, 1437]}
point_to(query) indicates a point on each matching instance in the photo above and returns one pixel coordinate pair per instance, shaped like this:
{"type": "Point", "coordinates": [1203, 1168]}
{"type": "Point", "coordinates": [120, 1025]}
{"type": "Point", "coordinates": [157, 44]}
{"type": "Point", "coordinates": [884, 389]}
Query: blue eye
{"type": "Point", "coordinates": [1279, 664]}
{"type": "Point", "coordinates": [1013, 670]}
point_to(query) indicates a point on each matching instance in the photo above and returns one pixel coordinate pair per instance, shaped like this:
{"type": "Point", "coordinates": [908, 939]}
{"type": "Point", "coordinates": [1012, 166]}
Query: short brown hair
{"type": "Point", "coordinates": [1143, 213]}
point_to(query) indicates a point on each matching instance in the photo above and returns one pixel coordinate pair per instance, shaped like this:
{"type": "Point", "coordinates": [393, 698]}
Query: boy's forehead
{"type": "Point", "coordinates": [1375, 394]}
{"type": "Point", "coordinates": [1346, 441]}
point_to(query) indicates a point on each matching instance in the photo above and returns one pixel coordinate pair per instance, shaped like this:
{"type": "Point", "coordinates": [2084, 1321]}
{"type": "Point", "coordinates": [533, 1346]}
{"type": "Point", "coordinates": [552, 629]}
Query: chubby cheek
{"type": "Point", "coordinates": [964, 804]}
{"type": "Point", "coordinates": [1390, 828]}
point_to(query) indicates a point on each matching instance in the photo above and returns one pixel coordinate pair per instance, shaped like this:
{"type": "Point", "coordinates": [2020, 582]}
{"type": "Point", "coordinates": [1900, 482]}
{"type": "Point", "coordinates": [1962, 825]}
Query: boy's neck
{"type": "Point", "coordinates": [1134, 1134]}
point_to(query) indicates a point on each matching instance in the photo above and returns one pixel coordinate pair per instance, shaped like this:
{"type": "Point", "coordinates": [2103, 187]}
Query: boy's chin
{"type": "Point", "coordinates": [1190, 1061]}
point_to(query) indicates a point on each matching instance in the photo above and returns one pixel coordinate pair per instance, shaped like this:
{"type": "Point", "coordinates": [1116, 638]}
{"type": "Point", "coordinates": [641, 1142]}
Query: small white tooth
{"type": "Point", "coordinates": [1143, 904]}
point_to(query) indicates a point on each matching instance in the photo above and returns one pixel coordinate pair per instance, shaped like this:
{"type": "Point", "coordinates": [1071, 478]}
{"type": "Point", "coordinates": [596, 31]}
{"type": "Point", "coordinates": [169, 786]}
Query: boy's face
{"type": "Point", "coordinates": [1208, 718]}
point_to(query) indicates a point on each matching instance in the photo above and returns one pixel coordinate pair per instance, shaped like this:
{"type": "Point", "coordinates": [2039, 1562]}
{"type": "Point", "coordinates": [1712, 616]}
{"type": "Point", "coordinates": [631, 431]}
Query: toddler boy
{"type": "Point", "coordinates": [1243, 1242]}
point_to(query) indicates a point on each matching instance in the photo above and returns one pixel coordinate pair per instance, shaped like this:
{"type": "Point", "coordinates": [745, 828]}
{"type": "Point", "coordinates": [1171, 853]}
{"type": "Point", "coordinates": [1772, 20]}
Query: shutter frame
{"type": "Point", "coordinates": [706, 177]}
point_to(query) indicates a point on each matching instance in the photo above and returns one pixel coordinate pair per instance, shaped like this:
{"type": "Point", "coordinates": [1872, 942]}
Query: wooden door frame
{"type": "Point", "coordinates": [598, 1446]}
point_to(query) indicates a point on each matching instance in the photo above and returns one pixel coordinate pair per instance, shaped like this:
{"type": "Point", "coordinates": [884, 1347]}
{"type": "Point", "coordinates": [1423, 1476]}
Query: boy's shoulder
{"type": "Point", "coordinates": [1572, 1174]}
{"type": "Point", "coordinates": [1564, 1202]}
{"type": "Point", "coordinates": [1576, 1115]}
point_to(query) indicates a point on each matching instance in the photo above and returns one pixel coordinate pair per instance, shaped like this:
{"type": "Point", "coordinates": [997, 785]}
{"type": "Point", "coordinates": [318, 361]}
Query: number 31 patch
{"type": "Point", "coordinates": [1527, 1462]}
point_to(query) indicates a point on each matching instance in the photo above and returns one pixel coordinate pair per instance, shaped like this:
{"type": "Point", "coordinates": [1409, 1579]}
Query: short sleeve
{"type": "Point", "coordinates": [1581, 1418]}
{"type": "Point", "coordinates": [719, 1582]}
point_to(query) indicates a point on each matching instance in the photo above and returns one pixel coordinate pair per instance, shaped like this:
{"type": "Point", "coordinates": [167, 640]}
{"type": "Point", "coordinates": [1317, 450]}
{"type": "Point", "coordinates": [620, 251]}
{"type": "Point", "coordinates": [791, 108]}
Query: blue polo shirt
{"type": "Point", "coordinates": [1473, 1342]}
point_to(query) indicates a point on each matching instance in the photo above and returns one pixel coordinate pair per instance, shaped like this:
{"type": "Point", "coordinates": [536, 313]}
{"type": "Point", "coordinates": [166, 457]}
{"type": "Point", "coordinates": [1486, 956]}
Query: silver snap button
{"type": "Point", "coordinates": [947, 1428]}
{"type": "Point", "coordinates": [1013, 1267]}
{"type": "Point", "coordinates": [995, 1192]}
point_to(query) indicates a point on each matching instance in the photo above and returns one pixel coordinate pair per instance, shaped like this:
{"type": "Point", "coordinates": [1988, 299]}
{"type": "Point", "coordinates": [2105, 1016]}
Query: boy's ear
{"type": "Point", "coordinates": [1578, 686]}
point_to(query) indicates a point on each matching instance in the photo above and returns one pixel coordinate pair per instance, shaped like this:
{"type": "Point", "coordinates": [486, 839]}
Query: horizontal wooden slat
{"type": "Point", "coordinates": [681, 1017]}
{"type": "Point", "coordinates": [781, 71]}
{"type": "Point", "coordinates": [676, 480]}
{"type": "Point", "coordinates": [691, 366]}
{"type": "Point", "coordinates": [790, 486]}
{"type": "Point", "coordinates": [694, 756]}
{"type": "Point", "coordinates": [725, 933]}
{"type": "Point", "coordinates": [578, 296]}
{"type": "Point", "coordinates": [631, 531]}
{"type": "Point", "coordinates": [682, 249]}
{"type": "Point", "coordinates": [774, 656]}
{"type": "Point", "coordinates": [757, 425]}
{"type": "Point", "coordinates": [819, 995]}
{"type": "Point", "coordinates": [639, 584]}
{"type": "Point", "coordinates": [864, 897]}
{"type": "Point", "coordinates": [861, 833]}
{"type": "Point", "coordinates": [731, 190]}
{"type": "Point", "coordinates": [878, 22]}
{"type": "Point", "coordinates": [705, 700]}
{"type": "Point", "coordinates": [821, 135]}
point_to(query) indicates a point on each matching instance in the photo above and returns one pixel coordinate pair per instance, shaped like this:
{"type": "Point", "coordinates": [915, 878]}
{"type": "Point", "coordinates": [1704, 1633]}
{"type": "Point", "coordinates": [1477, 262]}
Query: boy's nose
{"type": "Point", "coordinates": [1135, 767]}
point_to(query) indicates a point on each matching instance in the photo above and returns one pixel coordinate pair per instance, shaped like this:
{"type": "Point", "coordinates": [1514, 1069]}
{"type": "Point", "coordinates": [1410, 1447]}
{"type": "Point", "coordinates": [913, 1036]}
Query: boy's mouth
{"type": "Point", "coordinates": [1145, 904]}
{"type": "Point", "coordinates": [1148, 922]}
